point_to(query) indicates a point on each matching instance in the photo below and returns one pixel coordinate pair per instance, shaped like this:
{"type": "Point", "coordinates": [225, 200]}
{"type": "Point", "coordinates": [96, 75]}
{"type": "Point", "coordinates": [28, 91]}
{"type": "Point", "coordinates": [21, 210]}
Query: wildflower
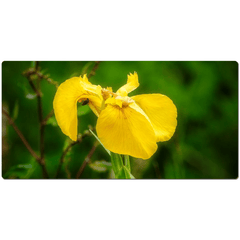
{"type": "Point", "coordinates": [73, 90]}
{"type": "Point", "coordinates": [126, 125]}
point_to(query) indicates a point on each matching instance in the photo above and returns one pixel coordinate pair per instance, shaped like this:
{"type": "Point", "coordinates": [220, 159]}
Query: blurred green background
{"type": "Point", "coordinates": [204, 146]}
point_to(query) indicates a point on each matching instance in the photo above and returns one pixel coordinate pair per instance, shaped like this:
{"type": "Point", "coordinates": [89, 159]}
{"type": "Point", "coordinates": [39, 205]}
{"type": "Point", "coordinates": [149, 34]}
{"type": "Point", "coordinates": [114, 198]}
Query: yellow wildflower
{"type": "Point", "coordinates": [73, 90]}
{"type": "Point", "coordinates": [126, 125]}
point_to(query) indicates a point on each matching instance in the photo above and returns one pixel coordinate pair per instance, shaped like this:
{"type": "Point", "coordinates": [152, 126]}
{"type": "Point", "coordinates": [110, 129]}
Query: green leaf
{"type": "Point", "coordinates": [85, 68]}
{"type": "Point", "coordinates": [31, 96]}
{"type": "Point", "coordinates": [25, 166]}
{"type": "Point", "coordinates": [15, 110]}
{"type": "Point", "coordinates": [33, 64]}
{"type": "Point", "coordinates": [124, 174]}
{"type": "Point", "coordinates": [43, 71]}
{"type": "Point", "coordinates": [52, 121]}
{"type": "Point", "coordinates": [83, 110]}
{"type": "Point", "coordinates": [100, 166]}
{"type": "Point", "coordinates": [132, 177]}
{"type": "Point", "coordinates": [127, 173]}
{"type": "Point", "coordinates": [75, 74]}
{"type": "Point", "coordinates": [22, 171]}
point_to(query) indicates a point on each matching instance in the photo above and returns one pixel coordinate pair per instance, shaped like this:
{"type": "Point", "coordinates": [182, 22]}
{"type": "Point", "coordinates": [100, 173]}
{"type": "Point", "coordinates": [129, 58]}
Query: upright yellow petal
{"type": "Point", "coordinates": [162, 113]}
{"type": "Point", "coordinates": [65, 103]}
{"type": "Point", "coordinates": [89, 87]}
{"type": "Point", "coordinates": [126, 131]}
{"type": "Point", "coordinates": [132, 84]}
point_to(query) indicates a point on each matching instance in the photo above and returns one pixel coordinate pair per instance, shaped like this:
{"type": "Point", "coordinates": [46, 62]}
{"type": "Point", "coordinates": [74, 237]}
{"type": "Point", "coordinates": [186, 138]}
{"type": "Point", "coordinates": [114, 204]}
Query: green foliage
{"type": "Point", "coordinates": [15, 111]}
{"type": "Point", "coordinates": [52, 120]}
{"type": "Point", "coordinates": [121, 170]}
{"type": "Point", "coordinates": [205, 144]}
{"type": "Point", "coordinates": [22, 171]}
{"type": "Point", "coordinates": [31, 96]}
{"type": "Point", "coordinates": [83, 110]}
{"type": "Point", "coordinates": [101, 166]}
{"type": "Point", "coordinates": [117, 165]}
{"type": "Point", "coordinates": [86, 67]}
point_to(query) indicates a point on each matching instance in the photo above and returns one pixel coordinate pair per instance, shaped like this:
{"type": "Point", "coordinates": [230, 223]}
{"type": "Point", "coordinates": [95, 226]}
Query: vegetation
{"type": "Point", "coordinates": [205, 144]}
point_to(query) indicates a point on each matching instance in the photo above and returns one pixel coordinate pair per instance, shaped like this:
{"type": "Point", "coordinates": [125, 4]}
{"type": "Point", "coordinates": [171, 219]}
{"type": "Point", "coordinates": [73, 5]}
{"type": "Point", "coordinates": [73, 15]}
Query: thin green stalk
{"type": "Point", "coordinates": [117, 163]}
{"type": "Point", "coordinates": [127, 162]}
{"type": "Point", "coordinates": [122, 171]}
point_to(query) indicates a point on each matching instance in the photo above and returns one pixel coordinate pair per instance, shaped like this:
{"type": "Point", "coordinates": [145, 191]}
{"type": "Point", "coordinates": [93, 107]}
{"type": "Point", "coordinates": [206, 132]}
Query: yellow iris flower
{"type": "Point", "coordinates": [126, 125]}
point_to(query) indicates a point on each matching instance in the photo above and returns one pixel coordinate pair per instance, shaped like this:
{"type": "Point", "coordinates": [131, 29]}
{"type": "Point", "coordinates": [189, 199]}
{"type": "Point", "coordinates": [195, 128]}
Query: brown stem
{"type": "Point", "coordinates": [25, 142]}
{"type": "Point", "coordinates": [67, 149]}
{"type": "Point", "coordinates": [67, 171]}
{"type": "Point", "coordinates": [95, 67]}
{"type": "Point", "coordinates": [47, 78]}
{"type": "Point", "coordinates": [63, 156]}
{"type": "Point", "coordinates": [47, 117]}
{"type": "Point", "coordinates": [86, 160]}
{"type": "Point", "coordinates": [40, 115]}
{"type": "Point", "coordinates": [51, 81]}
{"type": "Point", "coordinates": [44, 169]}
{"type": "Point", "coordinates": [33, 87]}
{"type": "Point", "coordinates": [41, 121]}
{"type": "Point", "coordinates": [36, 65]}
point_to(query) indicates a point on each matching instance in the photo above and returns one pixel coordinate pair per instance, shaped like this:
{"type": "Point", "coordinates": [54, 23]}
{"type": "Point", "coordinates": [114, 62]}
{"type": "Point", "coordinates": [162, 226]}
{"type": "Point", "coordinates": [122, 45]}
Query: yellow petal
{"type": "Point", "coordinates": [132, 84]}
{"type": "Point", "coordinates": [114, 101]}
{"type": "Point", "coordinates": [126, 131]}
{"type": "Point", "coordinates": [65, 103]}
{"type": "Point", "coordinates": [162, 113]}
{"type": "Point", "coordinates": [109, 89]}
{"type": "Point", "coordinates": [89, 87]}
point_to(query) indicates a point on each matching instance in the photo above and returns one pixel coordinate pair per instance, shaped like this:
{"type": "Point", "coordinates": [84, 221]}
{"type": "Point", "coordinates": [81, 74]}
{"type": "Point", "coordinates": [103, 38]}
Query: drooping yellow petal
{"type": "Point", "coordinates": [126, 131]}
{"type": "Point", "coordinates": [65, 103]}
{"type": "Point", "coordinates": [132, 84]}
{"type": "Point", "coordinates": [162, 113]}
{"type": "Point", "coordinates": [95, 102]}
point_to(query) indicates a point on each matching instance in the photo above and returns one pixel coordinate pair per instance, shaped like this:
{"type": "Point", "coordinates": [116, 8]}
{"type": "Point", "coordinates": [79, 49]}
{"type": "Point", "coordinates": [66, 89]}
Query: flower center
{"type": "Point", "coordinates": [107, 93]}
{"type": "Point", "coordinates": [125, 100]}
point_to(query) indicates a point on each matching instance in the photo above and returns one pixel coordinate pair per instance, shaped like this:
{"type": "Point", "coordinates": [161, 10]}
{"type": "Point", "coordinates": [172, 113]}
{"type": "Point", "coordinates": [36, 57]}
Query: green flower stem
{"type": "Point", "coordinates": [121, 171]}
{"type": "Point", "coordinates": [127, 162]}
{"type": "Point", "coordinates": [117, 163]}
